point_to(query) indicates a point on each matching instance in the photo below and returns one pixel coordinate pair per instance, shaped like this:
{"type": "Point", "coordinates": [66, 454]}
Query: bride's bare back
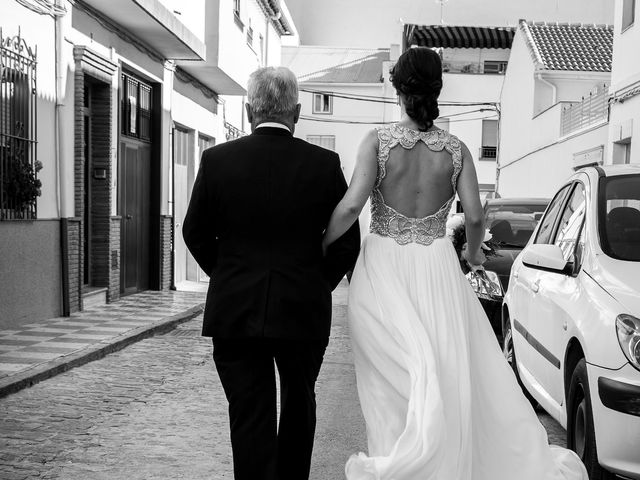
{"type": "Point", "coordinates": [418, 180]}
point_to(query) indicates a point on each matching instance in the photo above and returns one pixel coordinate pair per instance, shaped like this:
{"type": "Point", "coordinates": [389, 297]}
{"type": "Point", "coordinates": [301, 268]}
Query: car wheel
{"type": "Point", "coordinates": [581, 437]}
{"type": "Point", "coordinates": [510, 354]}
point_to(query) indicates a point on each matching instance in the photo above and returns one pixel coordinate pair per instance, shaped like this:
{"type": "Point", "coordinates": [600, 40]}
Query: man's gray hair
{"type": "Point", "coordinates": [272, 92]}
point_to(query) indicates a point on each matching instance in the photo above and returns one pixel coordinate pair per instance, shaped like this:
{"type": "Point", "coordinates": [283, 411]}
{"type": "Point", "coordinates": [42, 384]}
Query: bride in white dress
{"type": "Point", "coordinates": [439, 400]}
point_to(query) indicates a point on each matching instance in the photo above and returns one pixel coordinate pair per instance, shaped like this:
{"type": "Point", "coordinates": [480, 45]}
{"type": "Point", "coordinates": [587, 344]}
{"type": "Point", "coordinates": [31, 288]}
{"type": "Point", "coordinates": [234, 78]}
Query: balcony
{"type": "Point", "coordinates": [591, 110]}
{"type": "Point", "coordinates": [152, 23]}
{"type": "Point", "coordinates": [229, 36]}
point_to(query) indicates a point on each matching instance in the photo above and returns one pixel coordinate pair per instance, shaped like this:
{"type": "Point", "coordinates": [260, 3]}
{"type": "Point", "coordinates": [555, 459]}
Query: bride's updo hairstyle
{"type": "Point", "coordinates": [417, 77]}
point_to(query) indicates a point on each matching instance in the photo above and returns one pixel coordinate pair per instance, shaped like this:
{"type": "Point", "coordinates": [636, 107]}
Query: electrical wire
{"type": "Point", "coordinates": [358, 122]}
{"type": "Point", "coordinates": [393, 101]}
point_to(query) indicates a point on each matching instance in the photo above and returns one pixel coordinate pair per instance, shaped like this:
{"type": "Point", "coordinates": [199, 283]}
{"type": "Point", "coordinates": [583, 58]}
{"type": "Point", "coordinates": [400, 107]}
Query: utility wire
{"type": "Point", "coordinates": [393, 101]}
{"type": "Point", "coordinates": [357, 122]}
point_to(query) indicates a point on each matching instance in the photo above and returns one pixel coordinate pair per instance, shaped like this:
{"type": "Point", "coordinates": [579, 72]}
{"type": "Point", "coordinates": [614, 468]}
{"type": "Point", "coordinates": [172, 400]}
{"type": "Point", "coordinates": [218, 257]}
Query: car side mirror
{"type": "Point", "coordinates": [546, 257]}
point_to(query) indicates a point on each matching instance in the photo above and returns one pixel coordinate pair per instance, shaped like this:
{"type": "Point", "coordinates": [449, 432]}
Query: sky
{"type": "Point", "coordinates": [379, 23]}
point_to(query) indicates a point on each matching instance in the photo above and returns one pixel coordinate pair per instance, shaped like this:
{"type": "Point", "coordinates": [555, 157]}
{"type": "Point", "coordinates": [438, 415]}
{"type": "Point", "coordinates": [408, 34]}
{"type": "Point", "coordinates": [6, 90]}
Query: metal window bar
{"type": "Point", "coordinates": [136, 108]}
{"type": "Point", "coordinates": [18, 129]}
{"type": "Point", "coordinates": [488, 152]}
{"type": "Point", "coordinates": [592, 109]}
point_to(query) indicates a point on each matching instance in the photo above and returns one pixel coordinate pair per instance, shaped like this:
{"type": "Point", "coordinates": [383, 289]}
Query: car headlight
{"type": "Point", "coordinates": [628, 328]}
{"type": "Point", "coordinates": [486, 284]}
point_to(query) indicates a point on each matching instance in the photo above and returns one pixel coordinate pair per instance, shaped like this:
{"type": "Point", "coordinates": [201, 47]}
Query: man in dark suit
{"type": "Point", "coordinates": [259, 207]}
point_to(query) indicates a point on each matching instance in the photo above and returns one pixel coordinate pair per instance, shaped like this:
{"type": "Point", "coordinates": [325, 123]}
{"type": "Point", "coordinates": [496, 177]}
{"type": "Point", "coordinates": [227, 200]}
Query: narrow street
{"type": "Point", "coordinates": [156, 410]}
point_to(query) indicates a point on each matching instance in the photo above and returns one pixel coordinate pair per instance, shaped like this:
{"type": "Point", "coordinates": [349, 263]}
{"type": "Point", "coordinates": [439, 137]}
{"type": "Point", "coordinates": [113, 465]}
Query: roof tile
{"type": "Point", "coordinates": [578, 47]}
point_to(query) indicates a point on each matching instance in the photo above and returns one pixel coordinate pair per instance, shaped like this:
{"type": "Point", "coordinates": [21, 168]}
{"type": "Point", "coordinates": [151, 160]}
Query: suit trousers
{"type": "Point", "coordinates": [263, 448]}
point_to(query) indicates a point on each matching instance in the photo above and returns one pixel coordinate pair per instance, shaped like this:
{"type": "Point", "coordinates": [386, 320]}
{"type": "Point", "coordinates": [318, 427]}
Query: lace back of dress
{"type": "Point", "coordinates": [388, 222]}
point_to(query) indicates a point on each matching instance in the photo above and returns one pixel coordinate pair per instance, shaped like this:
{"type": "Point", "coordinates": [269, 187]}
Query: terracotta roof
{"type": "Point", "coordinates": [452, 36]}
{"type": "Point", "coordinates": [335, 65]}
{"type": "Point", "coordinates": [564, 46]}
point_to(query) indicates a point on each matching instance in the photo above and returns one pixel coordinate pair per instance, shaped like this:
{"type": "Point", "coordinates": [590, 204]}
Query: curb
{"type": "Point", "coordinates": [49, 369]}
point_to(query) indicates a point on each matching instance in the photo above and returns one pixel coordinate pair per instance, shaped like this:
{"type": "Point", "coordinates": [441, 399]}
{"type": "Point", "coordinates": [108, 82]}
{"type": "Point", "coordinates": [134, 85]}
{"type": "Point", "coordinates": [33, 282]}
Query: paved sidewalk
{"type": "Point", "coordinates": [46, 348]}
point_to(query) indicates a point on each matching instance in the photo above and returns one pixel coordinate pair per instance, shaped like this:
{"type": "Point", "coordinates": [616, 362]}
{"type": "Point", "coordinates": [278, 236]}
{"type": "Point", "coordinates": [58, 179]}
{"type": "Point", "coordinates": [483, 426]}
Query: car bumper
{"type": "Point", "coordinates": [615, 401]}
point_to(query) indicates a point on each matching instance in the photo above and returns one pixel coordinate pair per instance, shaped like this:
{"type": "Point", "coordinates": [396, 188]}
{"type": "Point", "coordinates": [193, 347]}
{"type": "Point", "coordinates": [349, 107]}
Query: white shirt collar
{"type": "Point", "coordinates": [274, 125]}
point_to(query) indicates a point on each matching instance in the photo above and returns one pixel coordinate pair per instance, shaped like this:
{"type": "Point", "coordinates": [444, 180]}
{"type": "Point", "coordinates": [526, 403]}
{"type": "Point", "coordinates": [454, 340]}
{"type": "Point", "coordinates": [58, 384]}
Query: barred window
{"type": "Point", "coordinates": [19, 185]}
{"type": "Point", "coordinates": [136, 108]}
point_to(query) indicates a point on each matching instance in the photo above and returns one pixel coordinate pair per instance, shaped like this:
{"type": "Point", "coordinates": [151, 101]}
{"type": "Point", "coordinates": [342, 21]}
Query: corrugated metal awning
{"type": "Point", "coordinates": [450, 36]}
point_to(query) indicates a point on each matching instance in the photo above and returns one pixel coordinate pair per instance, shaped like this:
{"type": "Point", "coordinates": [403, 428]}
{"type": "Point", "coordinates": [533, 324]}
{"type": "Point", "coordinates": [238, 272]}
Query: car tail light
{"type": "Point", "coordinates": [628, 328]}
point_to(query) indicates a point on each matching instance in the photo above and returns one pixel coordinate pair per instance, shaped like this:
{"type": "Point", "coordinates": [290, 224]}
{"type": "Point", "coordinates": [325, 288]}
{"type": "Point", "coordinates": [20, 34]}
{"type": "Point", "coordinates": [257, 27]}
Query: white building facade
{"type": "Point", "coordinates": [115, 100]}
{"type": "Point", "coordinates": [624, 124]}
{"type": "Point", "coordinates": [554, 106]}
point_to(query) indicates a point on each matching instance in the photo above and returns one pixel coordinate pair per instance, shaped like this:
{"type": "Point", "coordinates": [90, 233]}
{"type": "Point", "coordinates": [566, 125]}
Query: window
{"type": "Point", "coordinates": [619, 217]}
{"type": "Point", "coordinates": [19, 185]}
{"type": "Point", "coordinates": [322, 103]}
{"type": "Point", "coordinates": [136, 108]}
{"type": "Point", "coordinates": [628, 13]}
{"type": "Point", "coordinates": [325, 141]}
{"type": "Point", "coordinates": [250, 35]}
{"type": "Point", "coordinates": [489, 149]}
{"type": "Point", "coordinates": [545, 231]}
{"type": "Point", "coordinates": [496, 67]}
{"type": "Point", "coordinates": [236, 14]}
{"type": "Point", "coordinates": [570, 224]}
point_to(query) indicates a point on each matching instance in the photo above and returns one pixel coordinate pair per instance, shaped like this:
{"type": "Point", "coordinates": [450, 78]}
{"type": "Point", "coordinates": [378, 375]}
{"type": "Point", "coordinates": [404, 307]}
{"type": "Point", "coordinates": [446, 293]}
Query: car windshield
{"type": "Point", "coordinates": [620, 217]}
{"type": "Point", "coordinates": [512, 225]}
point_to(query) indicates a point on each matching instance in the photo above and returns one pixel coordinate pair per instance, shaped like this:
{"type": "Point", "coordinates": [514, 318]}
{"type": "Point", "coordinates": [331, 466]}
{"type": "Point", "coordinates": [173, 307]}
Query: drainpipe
{"type": "Point", "coordinates": [60, 209]}
{"type": "Point", "coordinates": [554, 89]}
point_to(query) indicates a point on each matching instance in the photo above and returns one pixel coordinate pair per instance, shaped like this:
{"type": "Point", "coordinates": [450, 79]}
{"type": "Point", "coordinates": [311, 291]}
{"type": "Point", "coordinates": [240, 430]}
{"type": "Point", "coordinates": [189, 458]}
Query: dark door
{"type": "Point", "coordinates": [136, 213]}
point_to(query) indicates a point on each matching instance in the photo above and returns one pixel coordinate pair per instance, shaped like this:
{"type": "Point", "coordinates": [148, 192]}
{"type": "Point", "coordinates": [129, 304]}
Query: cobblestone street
{"type": "Point", "coordinates": [156, 410]}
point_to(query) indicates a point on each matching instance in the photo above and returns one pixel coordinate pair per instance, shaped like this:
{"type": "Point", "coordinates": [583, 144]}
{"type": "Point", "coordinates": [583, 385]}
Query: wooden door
{"type": "Point", "coordinates": [136, 213]}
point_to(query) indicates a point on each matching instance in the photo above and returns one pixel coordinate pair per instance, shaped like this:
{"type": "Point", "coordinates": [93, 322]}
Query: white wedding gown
{"type": "Point", "coordinates": [439, 400]}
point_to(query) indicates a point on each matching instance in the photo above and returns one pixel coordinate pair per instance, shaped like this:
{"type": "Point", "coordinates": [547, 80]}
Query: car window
{"type": "Point", "coordinates": [548, 221]}
{"type": "Point", "coordinates": [619, 217]}
{"type": "Point", "coordinates": [570, 224]}
{"type": "Point", "coordinates": [511, 225]}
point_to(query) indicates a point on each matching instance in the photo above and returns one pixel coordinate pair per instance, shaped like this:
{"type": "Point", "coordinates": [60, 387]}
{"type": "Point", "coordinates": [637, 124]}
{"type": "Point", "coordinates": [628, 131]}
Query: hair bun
{"type": "Point", "coordinates": [418, 77]}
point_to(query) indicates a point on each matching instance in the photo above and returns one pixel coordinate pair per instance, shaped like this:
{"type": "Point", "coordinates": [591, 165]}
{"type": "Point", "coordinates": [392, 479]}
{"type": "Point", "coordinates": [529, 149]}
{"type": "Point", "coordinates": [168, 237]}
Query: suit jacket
{"type": "Point", "coordinates": [255, 222]}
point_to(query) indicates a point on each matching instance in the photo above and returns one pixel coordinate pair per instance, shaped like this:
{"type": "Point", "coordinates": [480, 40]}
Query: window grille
{"type": "Point", "coordinates": [19, 185]}
{"type": "Point", "coordinates": [136, 108]}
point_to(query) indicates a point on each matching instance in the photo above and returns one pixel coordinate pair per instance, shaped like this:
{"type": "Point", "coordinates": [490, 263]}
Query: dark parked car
{"type": "Point", "coordinates": [511, 222]}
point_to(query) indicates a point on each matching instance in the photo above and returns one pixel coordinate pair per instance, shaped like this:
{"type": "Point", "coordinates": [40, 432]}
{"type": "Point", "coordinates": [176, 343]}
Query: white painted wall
{"type": "Point", "coordinates": [625, 68]}
{"type": "Point", "coordinates": [348, 136]}
{"type": "Point", "coordinates": [189, 13]}
{"type": "Point", "coordinates": [540, 173]}
{"type": "Point", "coordinates": [624, 125]}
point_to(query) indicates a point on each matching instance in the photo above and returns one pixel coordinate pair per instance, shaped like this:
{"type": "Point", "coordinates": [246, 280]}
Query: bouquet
{"type": "Point", "coordinates": [457, 232]}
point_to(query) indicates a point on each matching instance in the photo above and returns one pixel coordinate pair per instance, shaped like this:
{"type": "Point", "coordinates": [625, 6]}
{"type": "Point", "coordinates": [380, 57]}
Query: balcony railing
{"type": "Point", "coordinates": [591, 110]}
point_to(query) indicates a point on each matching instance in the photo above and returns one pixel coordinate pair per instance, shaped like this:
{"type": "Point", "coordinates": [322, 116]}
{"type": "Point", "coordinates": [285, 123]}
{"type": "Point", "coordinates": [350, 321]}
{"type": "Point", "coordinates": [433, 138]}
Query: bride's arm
{"type": "Point", "coordinates": [362, 181]}
{"type": "Point", "coordinates": [469, 194]}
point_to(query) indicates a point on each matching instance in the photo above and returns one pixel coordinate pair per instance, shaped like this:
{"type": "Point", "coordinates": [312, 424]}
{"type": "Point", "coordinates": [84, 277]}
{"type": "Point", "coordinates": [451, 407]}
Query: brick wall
{"type": "Point", "coordinates": [113, 293]}
{"type": "Point", "coordinates": [100, 185]}
{"type": "Point", "coordinates": [74, 276]}
{"type": "Point", "coordinates": [166, 240]}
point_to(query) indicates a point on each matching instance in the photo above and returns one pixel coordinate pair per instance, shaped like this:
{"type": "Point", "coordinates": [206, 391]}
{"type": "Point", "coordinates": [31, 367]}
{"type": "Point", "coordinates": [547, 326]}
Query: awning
{"type": "Point", "coordinates": [449, 36]}
{"type": "Point", "coordinates": [151, 22]}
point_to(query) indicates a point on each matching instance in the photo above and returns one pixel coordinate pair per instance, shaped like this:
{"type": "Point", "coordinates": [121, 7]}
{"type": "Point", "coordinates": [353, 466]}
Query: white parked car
{"type": "Point", "coordinates": [571, 317]}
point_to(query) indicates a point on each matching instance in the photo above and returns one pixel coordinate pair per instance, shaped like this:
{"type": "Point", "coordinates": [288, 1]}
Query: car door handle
{"type": "Point", "coordinates": [535, 286]}
{"type": "Point", "coordinates": [515, 275]}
